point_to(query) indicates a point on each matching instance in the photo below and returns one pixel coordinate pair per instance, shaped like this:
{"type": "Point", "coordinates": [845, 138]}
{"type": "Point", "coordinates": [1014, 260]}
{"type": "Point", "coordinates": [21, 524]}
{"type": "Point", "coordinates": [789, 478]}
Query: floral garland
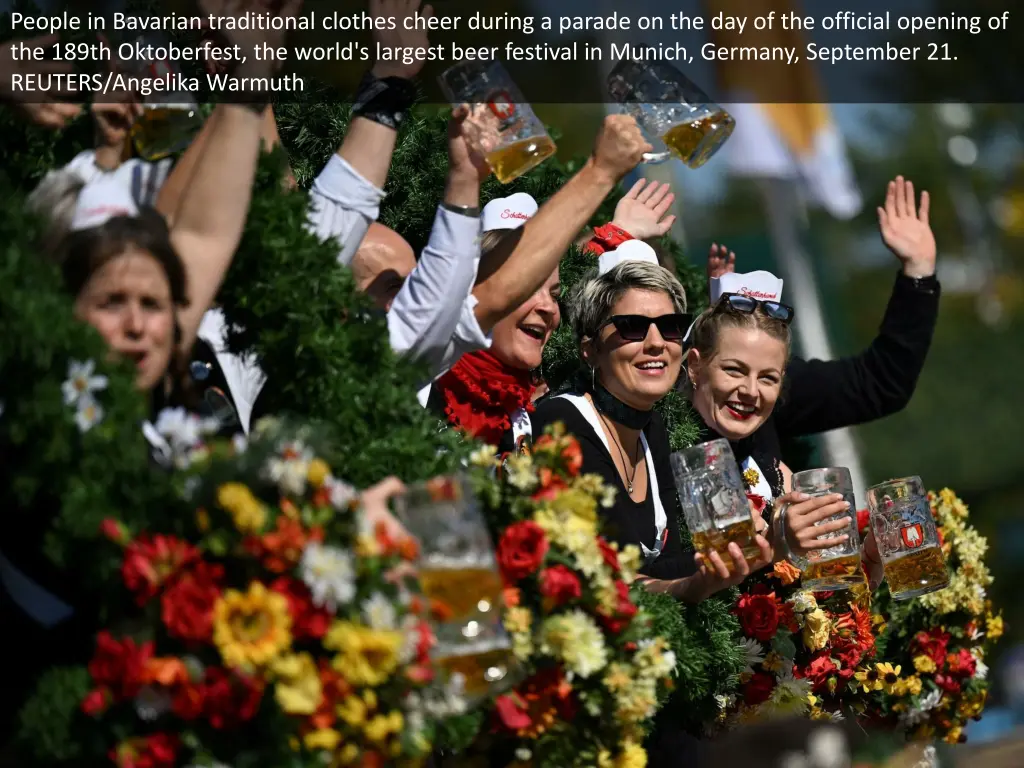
{"type": "Point", "coordinates": [592, 668]}
{"type": "Point", "coordinates": [276, 625]}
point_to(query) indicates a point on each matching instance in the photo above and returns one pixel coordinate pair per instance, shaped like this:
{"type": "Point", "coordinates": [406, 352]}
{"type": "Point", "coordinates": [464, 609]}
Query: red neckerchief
{"type": "Point", "coordinates": [481, 393]}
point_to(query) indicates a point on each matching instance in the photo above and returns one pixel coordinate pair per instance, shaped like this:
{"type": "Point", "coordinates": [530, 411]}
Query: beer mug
{"type": "Point", "coordinates": [501, 125]}
{"type": "Point", "coordinates": [831, 568]}
{"type": "Point", "coordinates": [907, 538]}
{"type": "Point", "coordinates": [169, 119]}
{"type": "Point", "coordinates": [672, 110]}
{"type": "Point", "coordinates": [459, 575]}
{"type": "Point", "coordinates": [714, 500]}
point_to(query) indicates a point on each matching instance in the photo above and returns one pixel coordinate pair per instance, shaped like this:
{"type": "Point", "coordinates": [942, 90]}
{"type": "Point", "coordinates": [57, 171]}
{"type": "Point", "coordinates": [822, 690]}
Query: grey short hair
{"type": "Point", "coordinates": [55, 200]}
{"type": "Point", "coordinates": [592, 298]}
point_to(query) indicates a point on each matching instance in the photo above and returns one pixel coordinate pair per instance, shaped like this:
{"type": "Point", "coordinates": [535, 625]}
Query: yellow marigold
{"type": "Point", "coordinates": [366, 657]}
{"type": "Point", "coordinates": [890, 675]}
{"type": "Point", "coordinates": [253, 628]}
{"type": "Point", "coordinates": [246, 510]}
{"type": "Point", "coordinates": [924, 664]}
{"type": "Point", "coordinates": [632, 756]}
{"type": "Point", "coordinates": [751, 477]}
{"type": "Point", "coordinates": [994, 626]}
{"type": "Point", "coordinates": [323, 738]}
{"type": "Point", "coordinates": [913, 685]}
{"type": "Point", "coordinates": [817, 628]}
{"type": "Point", "coordinates": [298, 690]}
{"type": "Point", "coordinates": [382, 726]}
{"type": "Point", "coordinates": [318, 472]}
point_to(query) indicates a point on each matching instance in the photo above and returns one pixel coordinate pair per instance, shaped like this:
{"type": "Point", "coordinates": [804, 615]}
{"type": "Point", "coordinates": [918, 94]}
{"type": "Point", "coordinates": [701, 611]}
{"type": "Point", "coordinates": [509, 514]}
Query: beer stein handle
{"type": "Point", "coordinates": [783, 541]}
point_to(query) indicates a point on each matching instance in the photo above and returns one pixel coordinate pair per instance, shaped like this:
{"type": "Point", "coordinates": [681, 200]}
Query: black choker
{"type": "Point", "coordinates": [618, 411]}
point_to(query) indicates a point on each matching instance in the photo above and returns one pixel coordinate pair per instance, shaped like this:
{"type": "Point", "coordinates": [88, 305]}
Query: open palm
{"type": "Point", "coordinates": [905, 228]}
{"type": "Point", "coordinates": [642, 212]}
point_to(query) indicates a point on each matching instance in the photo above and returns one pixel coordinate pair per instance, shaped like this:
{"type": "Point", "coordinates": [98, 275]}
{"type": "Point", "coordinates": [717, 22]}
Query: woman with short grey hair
{"type": "Point", "coordinates": [629, 317]}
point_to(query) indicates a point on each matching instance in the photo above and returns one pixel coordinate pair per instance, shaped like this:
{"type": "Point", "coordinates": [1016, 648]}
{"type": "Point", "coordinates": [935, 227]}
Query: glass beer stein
{"type": "Point", "coordinates": [671, 110]}
{"type": "Point", "coordinates": [714, 500]}
{"type": "Point", "coordinates": [459, 576]}
{"type": "Point", "coordinates": [830, 568]}
{"type": "Point", "coordinates": [501, 125]}
{"type": "Point", "coordinates": [907, 538]}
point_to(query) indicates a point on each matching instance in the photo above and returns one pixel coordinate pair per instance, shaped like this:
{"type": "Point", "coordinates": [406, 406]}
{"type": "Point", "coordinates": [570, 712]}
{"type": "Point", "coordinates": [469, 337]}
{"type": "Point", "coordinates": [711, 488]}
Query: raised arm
{"type": "Point", "coordinates": [211, 215]}
{"type": "Point", "coordinates": [515, 275]}
{"type": "Point", "coordinates": [822, 395]}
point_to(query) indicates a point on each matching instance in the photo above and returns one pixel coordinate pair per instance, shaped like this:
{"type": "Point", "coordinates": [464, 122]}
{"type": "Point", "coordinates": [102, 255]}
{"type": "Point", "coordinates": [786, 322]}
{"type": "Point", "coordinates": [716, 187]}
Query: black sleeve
{"type": "Point", "coordinates": [821, 395]}
{"type": "Point", "coordinates": [675, 561]}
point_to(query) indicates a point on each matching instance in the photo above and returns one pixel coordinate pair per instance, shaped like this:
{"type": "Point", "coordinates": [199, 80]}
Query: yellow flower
{"type": "Point", "coordinates": [953, 736]}
{"type": "Point", "coordinates": [367, 546]}
{"type": "Point", "coordinates": [577, 640]}
{"type": "Point", "coordinates": [629, 562]}
{"type": "Point", "coordinates": [246, 510]}
{"type": "Point", "coordinates": [298, 690]}
{"type": "Point", "coordinates": [869, 679]}
{"type": "Point", "coordinates": [816, 630]}
{"type": "Point", "coordinates": [617, 678]}
{"type": "Point", "coordinates": [751, 477]}
{"type": "Point", "coordinates": [994, 626]}
{"type": "Point", "coordinates": [318, 472]}
{"type": "Point", "coordinates": [913, 685]}
{"type": "Point", "coordinates": [773, 662]}
{"type": "Point", "coordinates": [924, 664]}
{"type": "Point", "coordinates": [324, 738]}
{"type": "Point", "coordinates": [352, 710]}
{"type": "Point", "coordinates": [518, 619]}
{"type": "Point", "coordinates": [890, 675]}
{"type": "Point", "coordinates": [365, 656]}
{"type": "Point", "coordinates": [348, 754]}
{"type": "Point", "coordinates": [382, 726]}
{"type": "Point", "coordinates": [253, 628]}
{"type": "Point", "coordinates": [632, 756]}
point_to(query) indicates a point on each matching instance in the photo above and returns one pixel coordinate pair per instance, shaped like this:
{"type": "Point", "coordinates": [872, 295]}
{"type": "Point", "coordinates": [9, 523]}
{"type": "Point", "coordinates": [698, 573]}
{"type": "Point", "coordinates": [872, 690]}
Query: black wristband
{"type": "Point", "coordinates": [928, 284]}
{"type": "Point", "coordinates": [384, 100]}
{"type": "Point", "coordinates": [462, 210]}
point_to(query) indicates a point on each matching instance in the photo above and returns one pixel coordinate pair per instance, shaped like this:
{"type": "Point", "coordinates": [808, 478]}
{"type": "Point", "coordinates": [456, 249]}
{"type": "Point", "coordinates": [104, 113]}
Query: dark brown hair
{"type": "Point", "coordinates": [708, 327]}
{"type": "Point", "coordinates": [81, 254]}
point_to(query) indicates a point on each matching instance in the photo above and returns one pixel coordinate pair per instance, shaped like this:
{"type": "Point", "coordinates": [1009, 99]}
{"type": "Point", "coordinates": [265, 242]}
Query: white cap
{"type": "Point", "coordinates": [101, 200]}
{"type": "Point", "coordinates": [631, 250]}
{"type": "Point", "coordinates": [509, 212]}
{"type": "Point", "coordinates": [760, 285]}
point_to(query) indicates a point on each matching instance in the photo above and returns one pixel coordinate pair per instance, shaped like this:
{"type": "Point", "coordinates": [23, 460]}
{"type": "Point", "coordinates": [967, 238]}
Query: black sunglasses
{"type": "Point", "coordinates": [635, 327]}
{"type": "Point", "coordinates": [747, 305]}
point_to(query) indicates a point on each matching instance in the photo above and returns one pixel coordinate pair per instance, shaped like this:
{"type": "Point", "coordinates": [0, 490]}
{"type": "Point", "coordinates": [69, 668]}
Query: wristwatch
{"type": "Point", "coordinates": [463, 210]}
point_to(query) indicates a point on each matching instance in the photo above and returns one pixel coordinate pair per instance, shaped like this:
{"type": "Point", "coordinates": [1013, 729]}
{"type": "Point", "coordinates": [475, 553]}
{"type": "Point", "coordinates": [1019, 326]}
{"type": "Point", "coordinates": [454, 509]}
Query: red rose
{"type": "Point", "coordinates": [787, 617]}
{"type": "Point", "coordinates": [308, 621]}
{"type": "Point", "coordinates": [758, 612]}
{"type": "Point", "coordinates": [521, 550]}
{"type": "Point", "coordinates": [96, 702]}
{"type": "Point", "coordinates": [933, 644]}
{"type": "Point", "coordinates": [150, 561]}
{"type": "Point", "coordinates": [948, 683]}
{"type": "Point", "coordinates": [611, 557]}
{"type": "Point", "coordinates": [962, 663]}
{"type": "Point", "coordinates": [230, 698]}
{"type": "Point", "coordinates": [512, 711]}
{"type": "Point", "coordinates": [187, 604]}
{"type": "Point", "coordinates": [157, 751]}
{"type": "Point", "coordinates": [560, 585]}
{"type": "Point", "coordinates": [758, 689]}
{"type": "Point", "coordinates": [119, 665]}
{"type": "Point", "coordinates": [820, 670]}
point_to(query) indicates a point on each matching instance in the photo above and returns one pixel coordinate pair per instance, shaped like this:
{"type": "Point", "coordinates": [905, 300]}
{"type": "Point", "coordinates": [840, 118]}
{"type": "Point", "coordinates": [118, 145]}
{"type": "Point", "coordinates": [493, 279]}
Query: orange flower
{"type": "Point", "coordinates": [166, 671]}
{"type": "Point", "coordinates": [573, 455]}
{"type": "Point", "coordinates": [281, 549]}
{"type": "Point", "coordinates": [510, 596]}
{"type": "Point", "coordinates": [440, 611]}
{"type": "Point", "coordinates": [786, 572]}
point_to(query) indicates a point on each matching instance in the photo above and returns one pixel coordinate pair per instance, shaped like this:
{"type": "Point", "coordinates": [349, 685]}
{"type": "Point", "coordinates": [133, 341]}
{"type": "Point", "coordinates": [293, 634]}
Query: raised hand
{"type": "Point", "coordinates": [374, 506]}
{"type": "Point", "coordinates": [642, 211]}
{"type": "Point", "coordinates": [38, 107]}
{"type": "Point", "coordinates": [720, 261]}
{"type": "Point", "coordinates": [399, 37]}
{"type": "Point", "coordinates": [620, 146]}
{"type": "Point", "coordinates": [905, 229]}
{"type": "Point", "coordinates": [462, 158]}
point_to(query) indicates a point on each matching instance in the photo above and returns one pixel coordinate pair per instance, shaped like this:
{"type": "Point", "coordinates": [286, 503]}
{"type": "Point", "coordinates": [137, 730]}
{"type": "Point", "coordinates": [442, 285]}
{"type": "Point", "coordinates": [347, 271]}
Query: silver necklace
{"type": "Point", "coordinates": [622, 455]}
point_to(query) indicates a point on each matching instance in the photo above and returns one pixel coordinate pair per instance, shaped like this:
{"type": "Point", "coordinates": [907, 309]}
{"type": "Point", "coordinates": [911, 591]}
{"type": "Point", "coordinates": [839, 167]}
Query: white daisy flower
{"type": "Point", "coordinates": [290, 467]}
{"type": "Point", "coordinates": [329, 574]}
{"type": "Point", "coordinates": [753, 652]}
{"type": "Point", "coordinates": [981, 668]}
{"type": "Point", "coordinates": [185, 433]}
{"type": "Point", "coordinates": [151, 703]}
{"type": "Point", "coordinates": [89, 413]}
{"type": "Point", "coordinates": [379, 612]}
{"type": "Point", "coordinates": [81, 382]}
{"type": "Point", "coordinates": [483, 457]}
{"type": "Point", "coordinates": [523, 754]}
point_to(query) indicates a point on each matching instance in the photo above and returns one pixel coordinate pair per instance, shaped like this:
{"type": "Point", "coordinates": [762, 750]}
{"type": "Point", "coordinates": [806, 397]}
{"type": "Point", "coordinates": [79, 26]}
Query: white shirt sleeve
{"type": "Point", "coordinates": [344, 204]}
{"type": "Point", "coordinates": [432, 317]}
{"type": "Point", "coordinates": [244, 377]}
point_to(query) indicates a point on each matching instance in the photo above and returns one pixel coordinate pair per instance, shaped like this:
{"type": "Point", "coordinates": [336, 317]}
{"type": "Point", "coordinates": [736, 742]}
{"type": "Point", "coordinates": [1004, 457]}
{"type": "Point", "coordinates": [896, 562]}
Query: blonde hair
{"type": "Point", "coordinates": [707, 328]}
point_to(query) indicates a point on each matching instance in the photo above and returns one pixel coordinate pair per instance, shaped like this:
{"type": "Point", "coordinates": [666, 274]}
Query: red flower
{"type": "Point", "coordinates": [572, 454]}
{"type": "Point", "coordinates": [758, 612]}
{"type": "Point", "coordinates": [150, 561]}
{"type": "Point", "coordinates": [96, 702]}
{"type": "Point", "coordinates": [962, 663]}
{"type": "Point", "coordinates": [560, 585]}
{"type": "Point", "coordinates": [948, 683]}
{"type": "Point", "coordinates": [863, 520]}
{"type": "Point", "coordinates": [820, 670]}
{"type": "Point", "coordinates": [521, 550]}
{"type": "Point", "coordinates": [115, 531]}
{"type": "Point", "coordinates": [187, 700]}
{"type": "Point", "coordinates": [541, 700]}
{"type": "Point", "coordinates": [187, 604]}
{"type": "Point", "coordinates": [757, 501]}
{"type": "Point", "coordinates": [512, 712]}
{"type": "Point", "coordinates": [611, 557]}
{"type": "Point", "coordinates": [229, 698]}
{"type": "Point", "coordinates": [933, 644]}
{"type": "Point", "coordinates": [625, 610]}
{"type": "Point", "coordinates": [281, 549]}
{"type": "Point", "coordinates": [758, 689]}
{"type": "Point", "coordinates": [308, 621]}
{"type": "Point", "coordinates": [550, 485]}
{"type": "Point", "coordinates": [787, 618]}
{"type": "Point", "coordinates": [119, 665]}
{"type": "Point", "coordinates": [157, 751]}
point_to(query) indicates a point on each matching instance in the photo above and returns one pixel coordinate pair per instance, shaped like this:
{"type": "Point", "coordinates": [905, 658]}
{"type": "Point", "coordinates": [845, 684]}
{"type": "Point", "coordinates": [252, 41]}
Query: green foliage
{"type": "Point", "coordinates": [49, 727]}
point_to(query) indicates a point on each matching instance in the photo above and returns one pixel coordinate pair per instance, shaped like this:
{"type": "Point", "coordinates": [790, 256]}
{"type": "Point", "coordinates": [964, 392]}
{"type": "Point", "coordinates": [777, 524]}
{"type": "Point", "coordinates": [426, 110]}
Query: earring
{"type": "Point", "coordinates": [593, 383]}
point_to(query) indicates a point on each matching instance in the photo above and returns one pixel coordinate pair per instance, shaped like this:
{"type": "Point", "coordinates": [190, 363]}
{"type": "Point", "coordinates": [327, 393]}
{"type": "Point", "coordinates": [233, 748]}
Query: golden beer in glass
{"type": "Point", "coordinates": [459, 576]}
{"type": "Point", "coordinates": [671, 110]}
{"type": "Point", "coordinates": [907, 538]}
{"type": "Point", "coordinates": [501, 126]}
{"type": "Point", "coordinates": [714, 500]}
{"type": "Point", "coordinates": [838, 566]}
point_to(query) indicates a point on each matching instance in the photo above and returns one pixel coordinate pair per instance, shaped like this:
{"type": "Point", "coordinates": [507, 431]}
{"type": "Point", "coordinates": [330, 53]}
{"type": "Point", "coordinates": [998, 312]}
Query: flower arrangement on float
{"type": "Point", "coordinates": [591, 669]}
{"type": "Point", "coordinates": [939, 642]}
{"type": "Point", "coordinates": [273, 624]}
